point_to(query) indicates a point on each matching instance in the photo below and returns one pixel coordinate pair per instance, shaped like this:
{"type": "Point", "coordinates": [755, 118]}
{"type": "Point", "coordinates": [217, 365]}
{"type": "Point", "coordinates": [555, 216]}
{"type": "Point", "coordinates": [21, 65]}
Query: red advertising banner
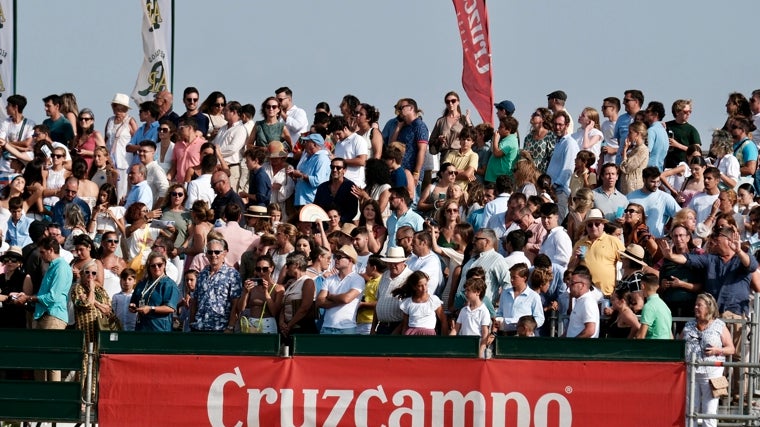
{"type": "Point", "coordinates": [179, 390]}
{"type": "Point", "coordinates": [472, 19]}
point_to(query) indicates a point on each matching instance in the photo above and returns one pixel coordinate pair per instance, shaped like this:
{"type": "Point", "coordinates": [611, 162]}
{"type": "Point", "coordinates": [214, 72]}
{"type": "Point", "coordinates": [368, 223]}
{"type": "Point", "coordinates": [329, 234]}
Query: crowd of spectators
{"type": "Point", "coordinates": [191, 221]}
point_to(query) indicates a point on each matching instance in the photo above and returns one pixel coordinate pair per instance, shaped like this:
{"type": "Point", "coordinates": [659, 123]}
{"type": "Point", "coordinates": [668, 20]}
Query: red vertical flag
{"type": "Point", "coordinates": [472, 18]}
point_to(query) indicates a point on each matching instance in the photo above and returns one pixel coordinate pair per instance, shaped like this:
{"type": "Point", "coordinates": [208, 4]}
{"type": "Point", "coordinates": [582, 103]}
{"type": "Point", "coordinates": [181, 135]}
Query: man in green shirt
{"type": "Point", "coordinates": [656, 319]}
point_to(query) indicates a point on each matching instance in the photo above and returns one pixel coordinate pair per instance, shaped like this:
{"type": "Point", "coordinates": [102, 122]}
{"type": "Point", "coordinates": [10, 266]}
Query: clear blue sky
{"type": "Point", "coordinates": [383, 50]}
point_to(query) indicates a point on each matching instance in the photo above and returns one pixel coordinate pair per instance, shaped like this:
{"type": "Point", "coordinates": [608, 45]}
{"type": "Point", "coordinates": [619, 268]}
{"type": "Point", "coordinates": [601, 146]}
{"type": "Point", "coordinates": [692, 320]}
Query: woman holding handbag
{"type": "Point", "coordinates": [262, 299]}
{"type": "Point", "coordinates": [707, 340]}
{"type": "Point", "coordinates": [298, 314]}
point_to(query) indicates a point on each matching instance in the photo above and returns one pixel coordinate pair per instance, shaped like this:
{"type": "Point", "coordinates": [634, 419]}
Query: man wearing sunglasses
{"type": "Point", "coordinates": [214, 306]}
{"type": "Point", "coordinates": [191, 99]}
{"type": "Point", "coordinates": [337, 192]}
{"type": "Point", "coordinates": [294, 117]}
{"type": "Point", "coordinates": [341, 294]}
{"type": "Point", "coordinates": [149, 130]}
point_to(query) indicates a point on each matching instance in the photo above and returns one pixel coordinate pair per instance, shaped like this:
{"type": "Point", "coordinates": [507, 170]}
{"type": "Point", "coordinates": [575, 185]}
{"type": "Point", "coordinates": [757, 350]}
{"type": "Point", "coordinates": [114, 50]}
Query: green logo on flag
{"type": "Point", "coordinates": [156, 80]}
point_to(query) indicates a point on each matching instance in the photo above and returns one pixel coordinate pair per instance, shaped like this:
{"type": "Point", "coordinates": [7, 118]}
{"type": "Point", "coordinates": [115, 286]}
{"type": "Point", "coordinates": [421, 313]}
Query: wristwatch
{"type": "Point", "coordinates": [152, 309]}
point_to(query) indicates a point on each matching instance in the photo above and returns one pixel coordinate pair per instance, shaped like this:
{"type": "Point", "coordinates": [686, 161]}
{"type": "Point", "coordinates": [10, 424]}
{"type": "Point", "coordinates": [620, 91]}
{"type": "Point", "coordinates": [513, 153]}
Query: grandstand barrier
{"type": "Point", "coordinates": [27, 399]}
{"type": "Point", "coordinates": [373, 380]}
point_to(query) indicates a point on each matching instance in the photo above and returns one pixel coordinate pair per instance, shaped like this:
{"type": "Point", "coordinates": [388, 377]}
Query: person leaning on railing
{"type": "Point", "coordinates": [707, 340]}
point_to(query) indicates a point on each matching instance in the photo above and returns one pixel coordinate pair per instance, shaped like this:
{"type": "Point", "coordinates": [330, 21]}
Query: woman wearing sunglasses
{"type": "Point", "coordinates": [213, 107]}
{"type": "Point", "coordinates": [155, 298]}
{"type": "Point", "coordinates": [262, 299]}
{"type": "Point", "coordinates": [87, 137]}
{"type": "Point", "coordinates": [270, 129]}
{"type": "Point", "coordinates": [165, 150]}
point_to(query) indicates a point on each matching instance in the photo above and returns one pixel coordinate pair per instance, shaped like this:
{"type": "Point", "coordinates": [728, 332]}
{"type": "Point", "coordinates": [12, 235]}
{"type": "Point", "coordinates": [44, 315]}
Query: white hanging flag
{"type": "Point", "coordinates": [155, 73]}
{"type": "Point", "coordinates": [7, 52]}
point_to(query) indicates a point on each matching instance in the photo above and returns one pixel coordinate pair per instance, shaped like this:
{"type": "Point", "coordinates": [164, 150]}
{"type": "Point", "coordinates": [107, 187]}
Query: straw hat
{"type": "Point", "coordinates": [594, 215]}
{"type": "Point", "coordinates": [348, 251]}
{"type": "Point", "coordinates": [635, 253]}
{"type": "Point", "coordinates": [121, 99]}
{"type": "Point", "coordinates": [276, 150]}
{"type": "Point", "coordinates": [256, 211]}
{"type": "Point", "coordinates": [347, 229]}
{"type": "Point", "coordinates": [12, 252]}
{"type": "Point", "coordinates": [394, 255]}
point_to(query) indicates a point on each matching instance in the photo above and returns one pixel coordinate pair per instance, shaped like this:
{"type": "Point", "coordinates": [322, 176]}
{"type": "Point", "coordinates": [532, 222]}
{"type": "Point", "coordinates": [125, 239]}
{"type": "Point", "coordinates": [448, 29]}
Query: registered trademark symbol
{"type": "Point", "coordinates": [568, 390]}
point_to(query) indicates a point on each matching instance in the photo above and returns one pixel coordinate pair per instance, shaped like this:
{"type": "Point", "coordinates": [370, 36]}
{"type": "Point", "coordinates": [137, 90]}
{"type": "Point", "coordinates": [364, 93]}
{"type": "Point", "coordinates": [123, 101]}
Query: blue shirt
{"type": "Point", "coordinates": [410, 218]}
{"type": "Point", "coordinates": [141, 134]}
{"type": "Point", "coordinates": [657, 139]}
{"type": "Point", "coordinates": [202, 121]}
{"type": "Point", "coordinates": [60, 207]}
{"type": "Point", "coordinates": [53, 295]}
{"type": "Point", "coordinates": [621, 133]}
{"type": "Point", "coordinates": [18, 233]}
{"type": "Point", "coordinates": [562, 163]}
{"type": "Point", "coordinates": [728, 282]}
{"type": "Point", "coordinates": [512, 308]}
{"type": "Point", "coordinates": [412, 134]}
{"type": "Point", "coordinates": [317, 168]}
{"type": "Point", "coordinates": [260, 186]}
{"type": "Point", "coordinates": [215, 294]}
{"type": "Point", "coordinates": [140, 192]}
{"type": "Point", "coordinates": [659, 207]}
{"type": "Point", "coordinates": [164, 292]}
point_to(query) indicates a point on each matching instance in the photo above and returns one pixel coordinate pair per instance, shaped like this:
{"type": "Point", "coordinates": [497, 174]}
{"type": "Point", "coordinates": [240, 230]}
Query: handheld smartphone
{"type": "Point", "coordinates": [258, 281]}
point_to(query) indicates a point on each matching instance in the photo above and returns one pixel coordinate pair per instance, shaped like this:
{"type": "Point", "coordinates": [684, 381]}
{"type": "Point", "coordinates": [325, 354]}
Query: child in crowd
{"type": "Point", "coordinates": [474, 318]}
{"type": "Point", "coordinates": [656, 319]}
{"type": "Point", "coordinates": [372, 273]}
{"type": "Point", "coordinates": [526, 326]}
{"type": "Point", "coordinates": [120, 301]}
{"type": "Point", "coordinates": [421, 310]}
{"type": "Point", "coordinates": [275, 214]}
{"type": "Point", "coordinates": [183, 306]}
{"type": "Point", "coordinates": [583, 175]}
{"type": "Point", "coordinates": [540, 281]}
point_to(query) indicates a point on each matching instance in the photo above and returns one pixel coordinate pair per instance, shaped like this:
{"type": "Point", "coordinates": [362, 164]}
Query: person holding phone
{"type": "Point", "coordinates": [262, 297]}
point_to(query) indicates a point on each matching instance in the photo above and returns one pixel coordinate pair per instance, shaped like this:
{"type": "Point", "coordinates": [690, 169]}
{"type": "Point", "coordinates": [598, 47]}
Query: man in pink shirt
{"type": "Point", "coordinates": [187, 151]}
{"type": "Point", "coordinates": [238, 239]}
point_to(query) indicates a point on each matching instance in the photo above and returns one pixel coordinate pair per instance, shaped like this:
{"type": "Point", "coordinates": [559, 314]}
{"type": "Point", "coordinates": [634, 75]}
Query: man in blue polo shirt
{"type": "Point", "coordinates": [401, 215]}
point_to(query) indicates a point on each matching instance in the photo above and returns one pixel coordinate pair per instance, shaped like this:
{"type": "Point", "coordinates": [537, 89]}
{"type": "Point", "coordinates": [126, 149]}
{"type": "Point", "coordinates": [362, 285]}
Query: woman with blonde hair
{"type": "Point", "coordinates": [583, 201]}
{"type": "Point", "coordinates": [635, 158]}
{"type": "Point", "coordinates": [70, 110]}
{"type": "Point", "coordinates": [707, 340]}
{"type": "Point", "coordinates": [722, 147]}
{"type": "Point", "coordinates": [526, 174]}
{"type": "Point", "coordinates": [589, 135]}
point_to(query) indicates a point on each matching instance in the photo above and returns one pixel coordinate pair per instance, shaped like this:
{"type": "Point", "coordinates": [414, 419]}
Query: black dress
{"type": "Point", "coordinates": [615, 331]}
{"type": "Point", "coordinates": [12, 315]}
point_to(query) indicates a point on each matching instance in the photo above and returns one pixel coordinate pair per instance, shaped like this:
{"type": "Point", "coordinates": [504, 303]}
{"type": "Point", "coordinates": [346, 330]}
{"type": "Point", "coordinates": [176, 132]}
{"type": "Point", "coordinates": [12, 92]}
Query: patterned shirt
{"type": "Point", "coordinates": [215, 294]}
{"type": "Point", "coordinates": [541, 149]}
{"type": "Point", "coordinates": [387, 307]}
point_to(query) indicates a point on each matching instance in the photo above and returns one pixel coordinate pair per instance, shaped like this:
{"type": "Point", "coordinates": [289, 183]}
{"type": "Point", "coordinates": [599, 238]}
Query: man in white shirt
{"type": "Point", "coordinates": [557, 245]}
{"type": "Point", "coordinates": [424, 259]}
{"type": "Point", "coordinates": [584, 319]}
{"type": "Point", "coordinates": [703, 202]}
{"type": "Point", "coordinates": [610, 111]}
{"type": "Point", "coordinates": [200, 188]}
{"type": "Point", "coordinates": [341, 294]}
{"type": "Point", "coordinates": [230, 142]}
{"type": "Point", "coordinates": [388, 316]}
{"type": "Point", "coordinates": [156, 177]}
{"type": "Point", "coordinates": [295, 118]}
{"type": "Point", "coordinates": [500, 203]}
{"type": "Point", "coordinates": [352, 147]}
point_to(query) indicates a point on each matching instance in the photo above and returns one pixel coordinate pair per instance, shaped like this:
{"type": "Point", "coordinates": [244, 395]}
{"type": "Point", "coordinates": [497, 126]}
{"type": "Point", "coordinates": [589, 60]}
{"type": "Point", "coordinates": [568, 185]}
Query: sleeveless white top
{"type": "Point", "coordinates": [55, 181]}
{"type": "Point", "coordinates": [117, 139]}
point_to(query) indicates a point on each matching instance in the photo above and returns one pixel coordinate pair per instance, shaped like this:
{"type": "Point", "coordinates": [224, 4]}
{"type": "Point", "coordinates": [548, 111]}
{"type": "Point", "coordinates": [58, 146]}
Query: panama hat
{"type": "Point", "coordinates": [12, 252]}
{"type": "Point", "coordinates": [121, 99]}
{"type": "Point", "coordinates": [594, 215]}
{"type": "Point", "coordinates": [394, 255]}
{"type": "Point", "coordinates": [635, 253]}
{"type": "Point", "coordinates": [256, 211]}
{"type": "Point", "coordinates": [348, 251]}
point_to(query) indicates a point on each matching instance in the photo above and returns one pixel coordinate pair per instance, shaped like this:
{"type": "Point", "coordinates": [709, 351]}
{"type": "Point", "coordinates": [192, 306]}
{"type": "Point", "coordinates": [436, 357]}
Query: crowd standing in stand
{"type": "Point", "coordinates": [583, 222]}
